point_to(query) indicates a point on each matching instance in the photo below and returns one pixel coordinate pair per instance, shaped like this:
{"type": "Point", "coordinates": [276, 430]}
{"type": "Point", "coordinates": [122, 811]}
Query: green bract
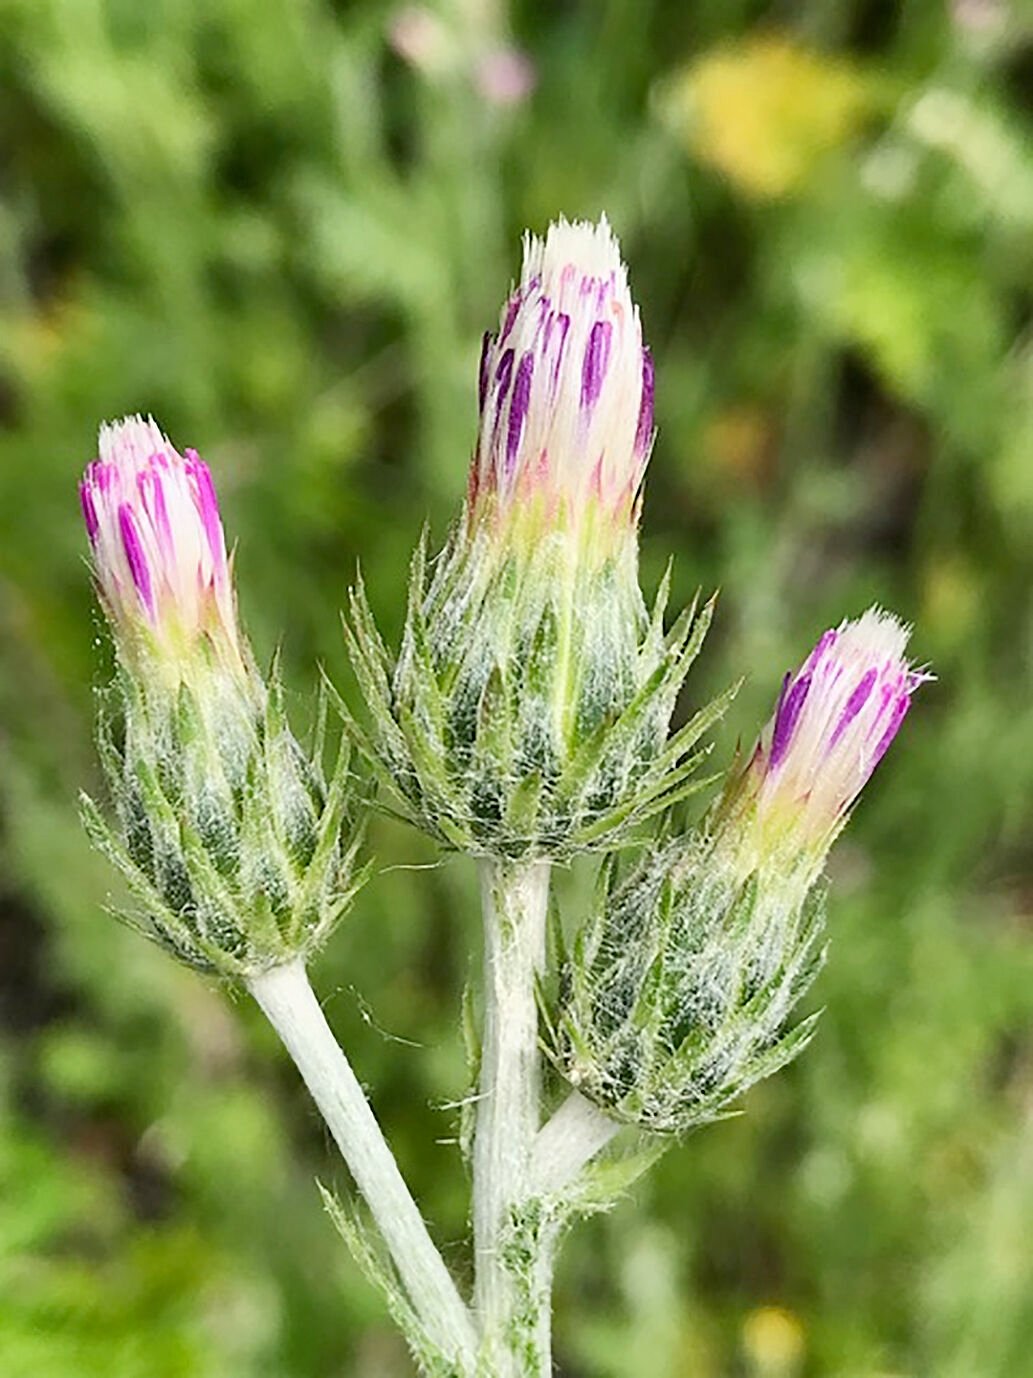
{"type": "Point", "coordinates": [675, 996]}
{"type": "Point", "coordinates": [228, 834]}
{"type": "Point", "coordinates": [528, 709]}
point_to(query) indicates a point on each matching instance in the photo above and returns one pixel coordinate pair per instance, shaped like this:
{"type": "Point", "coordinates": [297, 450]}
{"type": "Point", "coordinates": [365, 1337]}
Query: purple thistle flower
{"type": "Point", "coordinates": [153, 523]}
{"type": "Point", "coordinates": [834, 720]}
{"type": "Point", "coordinates": [566, 385]}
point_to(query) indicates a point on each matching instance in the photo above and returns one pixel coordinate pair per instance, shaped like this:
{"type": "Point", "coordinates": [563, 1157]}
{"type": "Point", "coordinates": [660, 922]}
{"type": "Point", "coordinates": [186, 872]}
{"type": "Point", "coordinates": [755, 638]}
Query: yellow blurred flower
{"type": "Point", "coordinates": [765, 111]}
{"type": "Point", "coordinates": [951, 599]}
{"type": "Point", "coordinates": [773, 1342]}
{"type": "Point", "coordinates": [739, 442]}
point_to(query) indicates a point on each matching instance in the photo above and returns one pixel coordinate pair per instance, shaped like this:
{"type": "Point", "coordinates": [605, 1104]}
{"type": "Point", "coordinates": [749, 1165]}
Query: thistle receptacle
{"type": "Point", "coordinates": [227, 833]}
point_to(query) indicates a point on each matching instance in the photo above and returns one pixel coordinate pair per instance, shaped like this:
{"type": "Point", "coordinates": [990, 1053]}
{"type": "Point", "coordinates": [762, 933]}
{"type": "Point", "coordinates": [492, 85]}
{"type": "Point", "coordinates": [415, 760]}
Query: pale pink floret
{"type": "Point", "coordinates": [566, 385]}
{"type": "Point", "coordinates": [835, 718]}
{"type": "Point", "coordinates": [153, 522]}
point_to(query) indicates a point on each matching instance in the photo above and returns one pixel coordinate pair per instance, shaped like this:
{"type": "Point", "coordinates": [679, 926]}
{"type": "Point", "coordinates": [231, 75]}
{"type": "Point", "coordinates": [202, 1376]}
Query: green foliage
{"type": "Point", "coordinates": [364, 1248]}
{"type": "Point", "coordinates": [260, 223]}
{"type": "Point", "coordinates": [79, 1273]}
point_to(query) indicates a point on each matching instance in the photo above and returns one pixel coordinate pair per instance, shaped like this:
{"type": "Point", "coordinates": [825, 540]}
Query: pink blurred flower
{"type": "Point", "coordinates": [501, 74]}
{"type": "Point", "coordinates": [421, 38]}
{"type": "Point", "coordinates": [505, 76]}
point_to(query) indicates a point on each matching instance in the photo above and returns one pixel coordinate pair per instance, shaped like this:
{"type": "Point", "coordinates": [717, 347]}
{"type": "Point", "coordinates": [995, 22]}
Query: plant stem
{"type": "Point", "coordinates": [288, 1002]}
{"type": "Point", "coordinates": [570, 1139]}
{"type": "Point", "coordinates": [512, 1295]}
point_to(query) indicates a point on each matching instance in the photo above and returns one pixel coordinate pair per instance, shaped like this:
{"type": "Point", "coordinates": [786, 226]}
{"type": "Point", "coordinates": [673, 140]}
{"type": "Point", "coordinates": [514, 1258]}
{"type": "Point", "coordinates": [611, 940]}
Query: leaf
{"type": "Point", "coordinates": [689, 733]}
{"type": "Point", "coordinates": [523, 807]}
{"type": "Point", "coordinates": [655, 635]}
{"type": "Point", "coordinates": [783, 1052]}
{"type": "Point", "coordinates": [379, 1272]}
{"type": "Point", "coordinates": [604, 1181]}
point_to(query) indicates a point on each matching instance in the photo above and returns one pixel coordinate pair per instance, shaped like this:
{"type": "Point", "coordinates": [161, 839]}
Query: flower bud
{"type": "Point", "coordinates": [677, 994]}
{"type": "Point", "coordinates": [566, 388]}
{"type": "Point", "coordinates": [227, 833]}
{"type": "Point", "coordinates": [527, 711]}
{"type": "Point", "coordinates": [158, 548]}
{"type": "Point", "coordinates": [834, 721]}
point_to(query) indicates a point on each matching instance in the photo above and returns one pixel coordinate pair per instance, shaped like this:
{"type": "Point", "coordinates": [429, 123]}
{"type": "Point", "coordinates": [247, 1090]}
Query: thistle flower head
{"type": "Point", "coordinates": [678, 994]}
{"type": "Point", "coordinates": [152, 519]}
{"type": "Point", "coordinates": [834, 721]}
{"type": "Point", "coordinates": [527, 711]}
{"type": "Point", "coordinates": [566, 384]}
{"type": "Point", "coordinates": [227, 830]}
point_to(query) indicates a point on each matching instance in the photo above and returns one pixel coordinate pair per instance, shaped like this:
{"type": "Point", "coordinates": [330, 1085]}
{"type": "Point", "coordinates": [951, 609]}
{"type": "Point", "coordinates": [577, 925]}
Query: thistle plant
{"type": "Point", "coordinates": [524, 718]}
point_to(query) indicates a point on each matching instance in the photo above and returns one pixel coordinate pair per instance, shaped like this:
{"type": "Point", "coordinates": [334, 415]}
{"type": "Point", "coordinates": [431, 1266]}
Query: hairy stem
{"type": "Point", "coordinates": [570, 1140]}
{"type": "Point", "coordinates": [512, 1295]}
{"type": "Point", "coordinates": [288, 1002]}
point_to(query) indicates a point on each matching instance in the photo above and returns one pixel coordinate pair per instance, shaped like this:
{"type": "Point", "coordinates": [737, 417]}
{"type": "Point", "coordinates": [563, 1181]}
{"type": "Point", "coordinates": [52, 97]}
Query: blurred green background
{"type": "Point", "coordinates": [280, 226]}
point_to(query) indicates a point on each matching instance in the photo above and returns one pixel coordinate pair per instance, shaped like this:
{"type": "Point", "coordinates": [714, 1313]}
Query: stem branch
{"type": "Point", "coordinates": [509, 1288]}
{"type": "Point", "coordinates": [570, 1140]}
{"type": "Point", "coordinates": [288, 1002]}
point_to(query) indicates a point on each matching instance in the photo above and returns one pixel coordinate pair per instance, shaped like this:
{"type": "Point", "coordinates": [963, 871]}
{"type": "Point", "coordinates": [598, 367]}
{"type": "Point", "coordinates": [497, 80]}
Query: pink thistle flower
{"type": "Point", "coordinates": [566, 384]}
{"type": "Point", "coordinates": [505, 76]}
{"type": "Point", "coordinates": [159, 553]}
{"type": "Point", "coordinates": [422, 39]}
{"type": "Point", "coordinates": [834, 721]}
